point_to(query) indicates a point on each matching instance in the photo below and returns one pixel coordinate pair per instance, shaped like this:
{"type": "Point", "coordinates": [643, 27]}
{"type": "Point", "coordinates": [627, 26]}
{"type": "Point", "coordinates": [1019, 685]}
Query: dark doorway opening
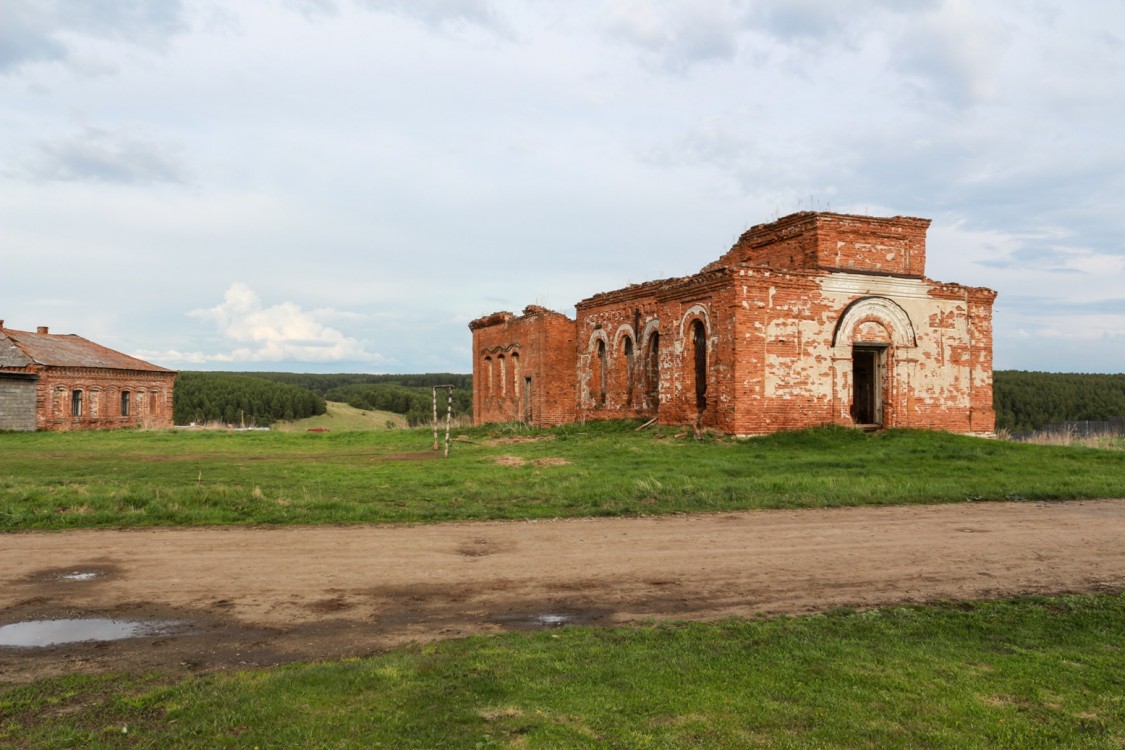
{"type": "Point", "coordinates": [867, 386]}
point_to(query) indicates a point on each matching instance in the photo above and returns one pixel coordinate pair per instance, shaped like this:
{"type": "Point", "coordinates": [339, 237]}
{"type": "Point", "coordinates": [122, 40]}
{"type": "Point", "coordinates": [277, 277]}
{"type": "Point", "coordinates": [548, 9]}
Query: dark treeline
{"type": "Point", "coordinates": [409, 395]}
{"type": "Point", "coordinates": [240, 399]}
{"type": "Point", "coordinates": [1028, 401]}
{"type": "Point", "coordinates": [323, 383]}
{"type": "Point", "coordinates": [1024, 401]}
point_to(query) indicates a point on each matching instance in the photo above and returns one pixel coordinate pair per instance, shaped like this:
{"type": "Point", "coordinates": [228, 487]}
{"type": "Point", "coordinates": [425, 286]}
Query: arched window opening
{"type": "Point", "coordinates": [488, 376]}
{"type": "Point", "coordinates": [503, 376]}
{"type": "Point", "coordinates": [76, 403]}
{"type": "Point", "coordinates": [125, 403]}
{"type": "Point", "coordinates": [652, 372]}
{"type": "Point", "coordinates": [601, 372]}
{"type": "Point", "coordinates": [515, 375]}
{"type": "Point", "coordinates": [699, 341]}
{"type": "Point", "coordinates": [627, 348]}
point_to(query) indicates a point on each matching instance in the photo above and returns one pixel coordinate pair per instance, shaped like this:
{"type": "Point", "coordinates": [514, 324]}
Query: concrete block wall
{"type": "Point", "coordinates": [17, 404]}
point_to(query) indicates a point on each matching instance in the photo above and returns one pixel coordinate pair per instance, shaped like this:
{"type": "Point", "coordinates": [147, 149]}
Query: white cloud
{"type": "Point", "coordinates": [443, 14]}
{"type": "Point", "coordinates": [123, 155]}
{"type": "Point", "coordinates": [277, 333]}
{"type": "Point", "coordinates": [954, 51]}
{"type": "Point", "coordinates": [415, 164]}
{"type": "Point", "coordinates": [50, 30]}
{"type": "Point", "coordinates": [679, 34]}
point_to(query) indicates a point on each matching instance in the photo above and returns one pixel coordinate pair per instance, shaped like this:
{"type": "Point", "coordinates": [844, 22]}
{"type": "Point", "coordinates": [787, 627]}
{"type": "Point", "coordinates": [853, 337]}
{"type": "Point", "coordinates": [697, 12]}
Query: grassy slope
{"type": "Point", "coordinates": [1032, 673]}
{"type": "Point", "coordinates": [344, 418]}
{"type": "Point", "coordinates": [191, 478]}
{"type": "Point", "coordinates": [1029, 673]}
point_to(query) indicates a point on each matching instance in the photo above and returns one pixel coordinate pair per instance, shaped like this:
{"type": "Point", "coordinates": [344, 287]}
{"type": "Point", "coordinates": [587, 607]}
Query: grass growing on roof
{"type": "Point", "coordinates": [135, 478]}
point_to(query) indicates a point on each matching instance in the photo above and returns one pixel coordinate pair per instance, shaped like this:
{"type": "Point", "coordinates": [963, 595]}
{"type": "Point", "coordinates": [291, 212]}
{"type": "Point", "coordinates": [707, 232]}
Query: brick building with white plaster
{"type": "Point", "coordinates": [816, 318]}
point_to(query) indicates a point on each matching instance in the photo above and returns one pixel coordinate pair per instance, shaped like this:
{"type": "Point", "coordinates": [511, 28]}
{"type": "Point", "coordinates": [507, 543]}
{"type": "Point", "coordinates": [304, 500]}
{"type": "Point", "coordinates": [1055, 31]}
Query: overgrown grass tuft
{"type": "Point", "coordinates": [70, 480]}
{"type": "Point", "coordinates": [1026, 673]}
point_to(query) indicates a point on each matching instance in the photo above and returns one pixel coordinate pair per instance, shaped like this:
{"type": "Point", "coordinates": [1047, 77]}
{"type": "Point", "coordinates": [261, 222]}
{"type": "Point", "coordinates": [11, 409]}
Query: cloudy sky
{"type": "Point", "coordinates": [342, 185]}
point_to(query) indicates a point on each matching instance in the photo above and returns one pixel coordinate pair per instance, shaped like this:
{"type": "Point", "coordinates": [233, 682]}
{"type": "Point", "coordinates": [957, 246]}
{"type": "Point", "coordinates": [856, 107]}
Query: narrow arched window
{"type": "Point", "coordinates": [652, 372]}
{"type": "Point", "coordinates": [488, 368]}
{"type": "Point", "coordinates": [76, 403]}
{"type": "Point", "coordinates": [699, 342]}
{"type": "Point", "coordinates": [503, 376]}
{"type": "Point", "coordinates": [601, 372]}
{"type": "Point", "coordinates": [515, 375]}
{"type": "Point", "coordinates": [627, 350]}
{"type": "Point", "coordinates": [125, 403]}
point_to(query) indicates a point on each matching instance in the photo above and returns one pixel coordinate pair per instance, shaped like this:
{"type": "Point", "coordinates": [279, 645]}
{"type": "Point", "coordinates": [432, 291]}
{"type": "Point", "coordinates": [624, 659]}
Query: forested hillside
{"type": "Point", "coordinates": [262, 398]}
{"type": "Point", "coordinates": [240, 399]}
{"type": "Point", "coordinates": [409, 395]}
{"type": "Point", "coordinates": [1026, 401]}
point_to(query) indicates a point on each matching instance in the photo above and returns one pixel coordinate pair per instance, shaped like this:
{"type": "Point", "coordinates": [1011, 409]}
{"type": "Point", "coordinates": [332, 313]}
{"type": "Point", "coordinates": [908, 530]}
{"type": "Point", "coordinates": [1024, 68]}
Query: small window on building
{"type": "Point", "coordinates": [76, 403]}
{"type": "Point", "coordinates": [153, 402]}
{"type": "Point", "coordinates": [125, 403]}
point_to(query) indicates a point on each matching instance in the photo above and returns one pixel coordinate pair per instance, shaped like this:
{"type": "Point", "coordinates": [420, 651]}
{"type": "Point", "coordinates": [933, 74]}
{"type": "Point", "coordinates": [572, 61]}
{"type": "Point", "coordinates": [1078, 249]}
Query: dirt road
{"type": "Point", "coordinates": [261, 596]}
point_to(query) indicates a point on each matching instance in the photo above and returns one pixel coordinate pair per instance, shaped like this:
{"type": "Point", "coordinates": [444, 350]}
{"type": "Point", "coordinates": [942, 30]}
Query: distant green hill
{"type": "Point", "coordinates": [345, 418]}
{"type": "Point", "coordinates": [262, 398]}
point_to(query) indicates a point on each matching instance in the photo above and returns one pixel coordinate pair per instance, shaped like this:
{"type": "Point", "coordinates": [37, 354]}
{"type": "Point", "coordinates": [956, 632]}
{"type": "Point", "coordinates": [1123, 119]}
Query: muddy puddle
{"type": "Point", "coordinates": [536, 620]}
{"type": "Point", "coordinates": [41, 633]}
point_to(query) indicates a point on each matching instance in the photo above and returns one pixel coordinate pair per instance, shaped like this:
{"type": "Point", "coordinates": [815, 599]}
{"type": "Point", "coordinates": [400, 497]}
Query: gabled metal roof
{"type": "Point", "coordinates": [24, 348]}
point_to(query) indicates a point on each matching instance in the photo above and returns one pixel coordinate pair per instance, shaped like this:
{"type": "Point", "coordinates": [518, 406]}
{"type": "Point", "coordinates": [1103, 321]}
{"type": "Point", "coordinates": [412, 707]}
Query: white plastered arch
{"type": "Point", "coordinates": [693, 312]}
{"type": "Point", "coordinates": [879, 309]}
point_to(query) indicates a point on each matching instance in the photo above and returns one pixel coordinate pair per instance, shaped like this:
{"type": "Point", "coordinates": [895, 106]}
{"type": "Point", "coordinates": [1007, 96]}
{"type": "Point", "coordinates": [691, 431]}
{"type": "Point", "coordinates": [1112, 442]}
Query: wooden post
{"type": "Point", "coordinates": [448, 417]}
{"type": "Point", "coordinates": [435, 419]}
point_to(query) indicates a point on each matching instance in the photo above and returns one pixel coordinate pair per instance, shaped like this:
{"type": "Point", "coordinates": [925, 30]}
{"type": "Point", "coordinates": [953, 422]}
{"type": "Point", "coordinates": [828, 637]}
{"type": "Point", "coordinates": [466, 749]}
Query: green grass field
{"type": "Point", "coordinates": [1029, 673]}
{"type": "Point", "coordinates": [85, 479]}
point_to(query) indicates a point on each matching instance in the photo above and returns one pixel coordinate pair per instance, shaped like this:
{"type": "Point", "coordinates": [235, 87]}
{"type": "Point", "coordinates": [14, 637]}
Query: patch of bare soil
{"type": "Point", "coordinates": [518, 439]}
{"type": "Point", "coordinates": [520, 461]}
{"type": "Point", "coordinates": [263, 596]}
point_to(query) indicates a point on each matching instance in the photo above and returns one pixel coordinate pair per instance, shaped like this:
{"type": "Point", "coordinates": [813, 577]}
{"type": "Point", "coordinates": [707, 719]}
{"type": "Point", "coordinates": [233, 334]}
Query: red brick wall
{"type": "Point", "coordinates": [808, 240]}
{"type": "Point", "coordinates": [150, 398]}
{"type": "Point", "coordinates": [507, 350]}
{"type": "Point", "coordinates": [781, 341]}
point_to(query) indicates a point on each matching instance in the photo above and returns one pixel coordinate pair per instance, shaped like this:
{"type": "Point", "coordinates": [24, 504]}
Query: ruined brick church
{"type": "Point", "coordinates": [816, 318]}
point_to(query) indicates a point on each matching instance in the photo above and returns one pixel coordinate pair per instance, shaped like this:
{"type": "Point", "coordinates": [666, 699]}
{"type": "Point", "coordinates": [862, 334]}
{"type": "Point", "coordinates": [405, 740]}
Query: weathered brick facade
{"type": "Point", "coordinates": [70, 383]}
{"type": "Point", "coordinates": [817, 318]}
